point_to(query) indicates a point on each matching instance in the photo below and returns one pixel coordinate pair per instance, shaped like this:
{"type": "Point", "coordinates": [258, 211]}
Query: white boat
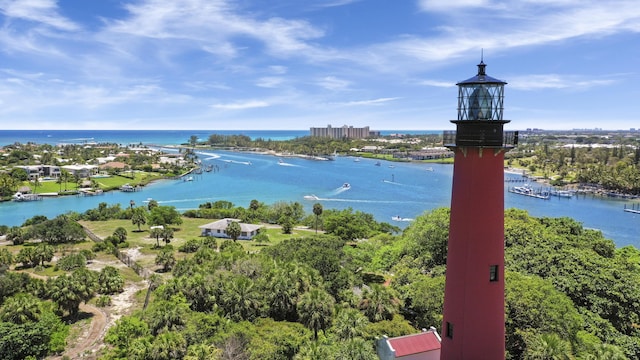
{"type": "Point", "coordinates": [562, 193]}
{"type": "Point", "coordinates": [25, 197]}
{"type": "Point", "coordinates": [127, 188]}
{"type": "Point", "coordinates": [190, 178]}
{"type": "Point", "coordinates": [346, 186]}
{"type": "Point", "coordinates": [377, 163]}
{"type": "Point", "coordinates": [398, 218]}
{"type": "Point", "coordinates": [356, 160]}
{"type": "Point", "coordinates": [429, 169]}
{"type": "Point", "coordinates": [527, 190]}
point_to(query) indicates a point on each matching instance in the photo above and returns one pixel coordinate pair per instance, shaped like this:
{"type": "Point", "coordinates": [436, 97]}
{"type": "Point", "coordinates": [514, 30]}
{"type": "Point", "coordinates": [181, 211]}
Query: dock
{"type": "Point", "coordinates": [634, 209]}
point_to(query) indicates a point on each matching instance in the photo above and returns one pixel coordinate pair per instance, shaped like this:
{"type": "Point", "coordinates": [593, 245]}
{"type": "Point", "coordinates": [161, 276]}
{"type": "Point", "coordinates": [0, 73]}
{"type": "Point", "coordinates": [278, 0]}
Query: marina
{"type": "Point", "coordinates": [527, 190]}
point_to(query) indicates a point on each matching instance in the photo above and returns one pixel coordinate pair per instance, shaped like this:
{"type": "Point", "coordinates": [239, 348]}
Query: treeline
{"type": "Point", "coordinates": [312, 145]}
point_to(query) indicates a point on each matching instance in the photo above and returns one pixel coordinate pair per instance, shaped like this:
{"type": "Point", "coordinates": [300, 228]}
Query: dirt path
{"type": "Point", "coordinates": [91, 336]}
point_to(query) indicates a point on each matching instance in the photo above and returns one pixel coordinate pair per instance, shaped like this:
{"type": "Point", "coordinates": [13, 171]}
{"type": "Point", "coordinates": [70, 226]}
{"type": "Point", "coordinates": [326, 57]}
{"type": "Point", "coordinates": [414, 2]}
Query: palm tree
{"type": "Point", "coordinates": [36, 184]}
{"type": "Point", "coordinates": [156, 232]}
{"type": "Point", "coordinates": [6, 259]}
{"type": "Point", "coordinates": [20, 309]}
{"type": "Point", "coordinates": [349, 324]}
{"type": "Point", "coordinates": [110, 281]}
{"type": "Point", "coordinates": [152, 204]}
{"type": "Point", "coordinates": [547, 347]}
{"type": "Point", "coordinates": [166, 259]}
{"type": "Point", "coordinates": [317, 211]}
{"type": "Point", "coordinates": [139, 217]}
{"type": "Point", "coordinates": [167, 235]}
{"type": "Point", "coordinates": [64, 178]}
{"type": "Point", "coordinates": [241, 299]}
{"type": "Point", "coordinates": [167, 315]}
{"type": "Point", "coordinates": [379, 303]}
{"type": "Point", "coordinates": [606, 352]}
{"type": "Point", "coordinates": [43, 252]}
{"type": "Point", "coordinates": [315, 309]}
{"type": "Point", "coordinates": [234, 230]}
{"type": "Point", "coordinates": [120, 233]}
{"type": "Point", "coordinates": [203, 352]}
{"type": "Point", "coordinates": [62, 291]}
{"type": "Point", "coordinates": [282, 296]}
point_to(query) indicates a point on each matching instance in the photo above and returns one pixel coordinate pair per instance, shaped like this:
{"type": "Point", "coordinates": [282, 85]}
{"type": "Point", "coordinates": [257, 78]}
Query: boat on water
{"type": "Point", "coordinates": [429, 169]}
{"type": "Point", "coordinates": [25, 197]}
{"type": "Point", "coordinates": [127, 188]}
{"type": "Point", "coordinates": [392, 166]}
{"type": "Point", "coordinates": [356, 160]}
{"type": "Point", "coordinates": [311, 197]}
{"type": "Point", "coordinates": [562, 193]}
{"type": "Point", "coordinates": [399, 218]}
{"type": "Point", "coordinates": [377, 163]}
{"type": "Point", "coordinates": [527, 190]}
{"type": "Point", "coordinates": [346, 186]}
{"type": "Point", "coordinates": [189, 178]}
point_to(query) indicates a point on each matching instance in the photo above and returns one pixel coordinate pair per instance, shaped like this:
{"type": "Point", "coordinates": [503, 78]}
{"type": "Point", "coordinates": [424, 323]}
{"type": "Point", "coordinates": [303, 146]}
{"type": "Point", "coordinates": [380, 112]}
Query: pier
{"type": "Point", "coordinates": [634, 209]}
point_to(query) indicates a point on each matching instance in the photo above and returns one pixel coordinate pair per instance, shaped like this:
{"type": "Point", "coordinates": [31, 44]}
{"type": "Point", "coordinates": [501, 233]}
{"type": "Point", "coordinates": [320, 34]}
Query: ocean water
{"type": "Point", "coordinates": [388, 191]}
{"type": "Point", "coordinates": [157, 137]}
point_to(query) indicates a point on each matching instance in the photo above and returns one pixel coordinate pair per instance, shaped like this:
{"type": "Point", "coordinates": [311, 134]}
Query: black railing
{"type": "Point", "coordinates": [450, 139]}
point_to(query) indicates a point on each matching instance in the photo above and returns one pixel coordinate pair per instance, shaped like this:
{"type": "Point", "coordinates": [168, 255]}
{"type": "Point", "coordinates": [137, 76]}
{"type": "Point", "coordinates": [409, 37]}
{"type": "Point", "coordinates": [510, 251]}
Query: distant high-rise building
{"type": "Point", "coordinates": [344, 132]}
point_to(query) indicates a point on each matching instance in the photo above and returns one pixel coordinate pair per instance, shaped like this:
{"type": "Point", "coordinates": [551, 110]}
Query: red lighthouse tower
{"type": "Point", "coordinates": [473, 323]}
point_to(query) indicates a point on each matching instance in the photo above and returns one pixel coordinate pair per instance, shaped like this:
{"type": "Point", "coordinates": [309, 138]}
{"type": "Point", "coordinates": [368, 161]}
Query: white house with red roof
{"type": "Point", "coordinates": [421, 346]}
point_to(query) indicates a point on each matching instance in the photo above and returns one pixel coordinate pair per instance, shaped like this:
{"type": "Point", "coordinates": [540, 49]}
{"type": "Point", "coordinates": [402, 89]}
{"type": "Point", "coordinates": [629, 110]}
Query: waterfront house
{"type": "Point", "coordinates": [219, 229]}
{"type": "Point", "coordinates": [421, 346]}
{"type": "Point", "coordinates": [81, 171]}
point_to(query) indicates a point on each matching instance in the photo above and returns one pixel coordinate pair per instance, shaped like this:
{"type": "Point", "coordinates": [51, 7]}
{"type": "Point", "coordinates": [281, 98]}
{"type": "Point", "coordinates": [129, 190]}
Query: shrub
{"type": "Point", "coordinates": [71, 262]}
{"type": "Point", "coordinates": [190, 246]}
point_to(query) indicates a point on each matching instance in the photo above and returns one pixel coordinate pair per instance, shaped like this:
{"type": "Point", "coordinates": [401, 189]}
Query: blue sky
{"type": "Point", "coordinates": [294, 64]}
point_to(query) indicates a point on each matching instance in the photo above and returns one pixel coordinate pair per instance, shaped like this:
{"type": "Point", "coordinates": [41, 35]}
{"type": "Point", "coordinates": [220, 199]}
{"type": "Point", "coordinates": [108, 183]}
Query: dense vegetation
{"type": "Point", "coordinates": [569, 292]}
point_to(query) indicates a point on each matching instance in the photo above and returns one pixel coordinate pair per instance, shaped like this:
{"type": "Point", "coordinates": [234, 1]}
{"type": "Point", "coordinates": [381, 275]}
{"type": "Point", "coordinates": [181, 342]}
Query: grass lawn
{"type": "Point", "coordinates": [108, 183]}
{"type": "Point", "coordinates": [186, 231]}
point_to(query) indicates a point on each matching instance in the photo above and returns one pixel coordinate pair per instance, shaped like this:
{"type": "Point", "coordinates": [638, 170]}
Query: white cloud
{"type": "Point", "coordinates": [555, 81]}
{"type": "Point", "coordinates": [333, 83]}
{"type": "Point", "coordinates": [241, 105]}
{"type": "Point", "coordinates": [370, 102]}
{"type": "Point", "coordinates": [40, 11]}
{"type": "Point", "coordinates": [445, 5]}
{"type": "Point", "coordinates": [437, 83]}
{"type": "Point", "coordinates": [269, 82]}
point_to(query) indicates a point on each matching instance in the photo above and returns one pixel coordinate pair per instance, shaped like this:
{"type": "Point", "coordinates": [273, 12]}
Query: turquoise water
{"type": "Point", "coordinates": [403, 190]}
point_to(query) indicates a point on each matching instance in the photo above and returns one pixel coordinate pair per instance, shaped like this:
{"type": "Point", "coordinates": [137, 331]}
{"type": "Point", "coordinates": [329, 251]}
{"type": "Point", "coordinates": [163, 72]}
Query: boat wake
{"type": "Point", "coordinates": [211, 156]}
{"type": "Point", "coordinates": [317, 198]}
{"type": "Point", "coordinates": [282, 163]}
{"type": "Point", "coordinates": [237, 162]}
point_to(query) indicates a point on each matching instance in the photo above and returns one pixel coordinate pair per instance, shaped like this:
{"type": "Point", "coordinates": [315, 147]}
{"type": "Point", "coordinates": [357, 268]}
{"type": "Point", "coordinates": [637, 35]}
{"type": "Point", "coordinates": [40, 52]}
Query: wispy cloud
{"type": "Point", "coordinates": [241, 105]}
{"type": "Point", "coordinates": [556, 81]}
{"type": "Point", "coordinates": [437, 83]}
{"type": "Point", "coordinates": [370, 102]}
{"type": "Point", "coordinates": [334, 83]}
{"type": "Point", "coordinates": [39, 11]}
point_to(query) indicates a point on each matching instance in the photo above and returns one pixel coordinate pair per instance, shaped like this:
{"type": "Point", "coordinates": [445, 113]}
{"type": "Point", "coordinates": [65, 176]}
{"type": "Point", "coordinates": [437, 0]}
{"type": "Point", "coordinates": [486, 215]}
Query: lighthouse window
{"type": "Point", "coordinates": [493, 273]}
{"type": "Point", "coordinates": [449, 330]}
